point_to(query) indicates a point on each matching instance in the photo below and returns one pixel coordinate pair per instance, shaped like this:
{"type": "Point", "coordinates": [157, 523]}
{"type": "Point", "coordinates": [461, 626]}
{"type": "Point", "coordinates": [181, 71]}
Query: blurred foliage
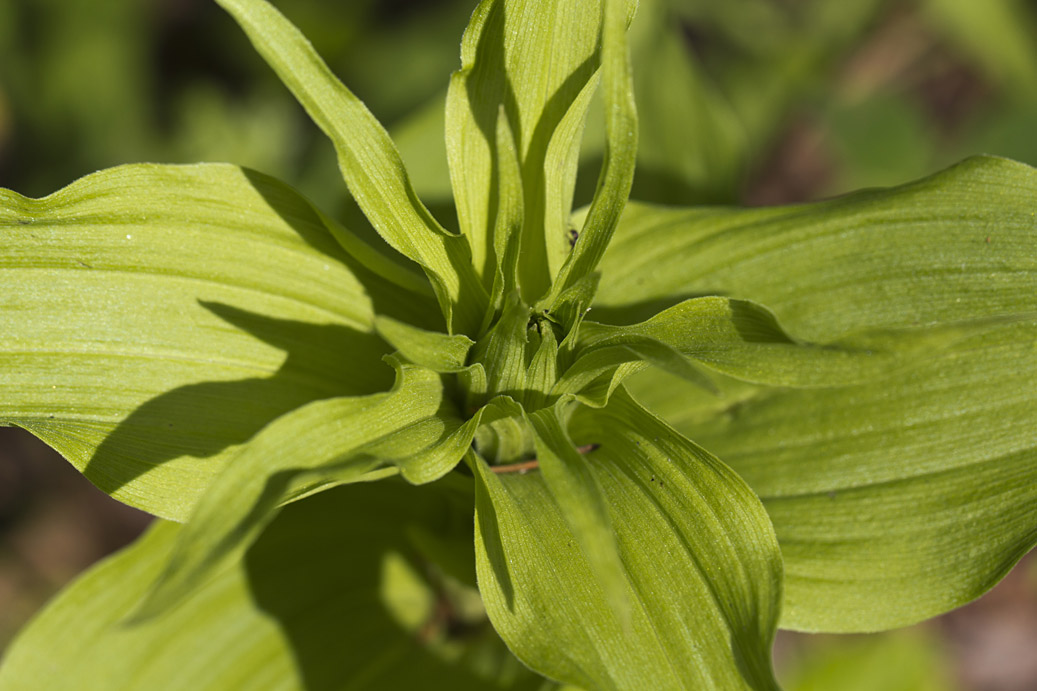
{"type": "Point", "coordinates": [746, 100]}
{"type": "Point", "coordinates": [908, 660]}
{"type": "Point", "coordinates": [86, 84]}
{"type": "Point", "coordinates": [760, 101]}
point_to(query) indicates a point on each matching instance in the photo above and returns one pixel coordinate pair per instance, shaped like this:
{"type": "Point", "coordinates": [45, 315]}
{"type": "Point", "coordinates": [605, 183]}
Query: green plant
{"type": "Point", "coordinates": [205, 344]}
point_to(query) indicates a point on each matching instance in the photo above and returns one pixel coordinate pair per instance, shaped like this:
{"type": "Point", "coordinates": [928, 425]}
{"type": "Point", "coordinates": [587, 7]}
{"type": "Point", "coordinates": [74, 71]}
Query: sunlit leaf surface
{"type": "Point", "coordinates": [156, 317]}
{"type": "Point", "coordinates": [702, 567]}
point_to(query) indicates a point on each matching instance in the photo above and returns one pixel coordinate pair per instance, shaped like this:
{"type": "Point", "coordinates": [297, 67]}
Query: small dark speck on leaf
{"type": "Point", "coordinates": [988, 239]}
{"type": "Point", "coordinates": [51, 417]}
{"type": "Point", "coordinates": [84, 264]}
{"type": "Point", "coordinates": [661, 483]}
{"type": "Point", "coordinates": [653, 479]}
{"type": "Point", "coordinates": [24, 221]}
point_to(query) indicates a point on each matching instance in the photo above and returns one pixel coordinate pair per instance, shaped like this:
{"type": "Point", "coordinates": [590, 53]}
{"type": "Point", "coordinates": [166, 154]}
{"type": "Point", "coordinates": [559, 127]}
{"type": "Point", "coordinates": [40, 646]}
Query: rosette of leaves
{"type": "Point", "coordinates": [316, 420]}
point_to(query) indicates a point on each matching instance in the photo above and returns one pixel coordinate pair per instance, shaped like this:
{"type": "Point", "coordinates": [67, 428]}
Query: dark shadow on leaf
{"type": "Point", "coordinates": [386, 297]}
{"type": "Point", "coordinates": [203, 419]}
{"type": "Point", "coordinates": [636, 312]}
{"type": "Point", "coordinates": [756, 324]}
{"type": "Point", "coordinates": [754, 664]}
{"type": "Point", "coordinates": [492, 95]}
{"type": "Point", "coordinates": [489, 529]}
{"type": "Point", "coordinates": [534, 175]}
{"type": "Point", "coordinates": [319, 571]}
{"type": "Point", "coordinates": [485, 111]}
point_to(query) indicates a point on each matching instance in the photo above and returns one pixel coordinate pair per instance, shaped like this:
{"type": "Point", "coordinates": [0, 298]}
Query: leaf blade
{"type": "Point", "coordinates": [896, 257]}
{"type": "Point", "coordinates": [913, 492]}
{"type": "Point", "coordinates": [116, 273]}
{"type": "Point", "coordinates": [617, 172]}
{"type": "Point", "coordinates": [340, 440]}
{"type": "Point", "coordinates": [321, 572]}
{"type": "Point", "coordinates": [744, 340]}
{"type": "Point", "coordinates": [369, 162]}
{"type": "Point", "coordinates": [538, 589]}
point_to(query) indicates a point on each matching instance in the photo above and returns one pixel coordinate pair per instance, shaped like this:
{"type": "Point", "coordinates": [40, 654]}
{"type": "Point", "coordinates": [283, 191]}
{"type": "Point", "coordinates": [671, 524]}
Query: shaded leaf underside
{"type": "Point", "coordinates": [325, 599]}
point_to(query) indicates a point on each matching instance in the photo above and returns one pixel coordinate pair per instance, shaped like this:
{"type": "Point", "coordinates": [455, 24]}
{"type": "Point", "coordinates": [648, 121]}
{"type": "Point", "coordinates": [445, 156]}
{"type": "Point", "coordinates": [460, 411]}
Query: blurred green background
{"type": "Point", "coordinates": [741, 101]}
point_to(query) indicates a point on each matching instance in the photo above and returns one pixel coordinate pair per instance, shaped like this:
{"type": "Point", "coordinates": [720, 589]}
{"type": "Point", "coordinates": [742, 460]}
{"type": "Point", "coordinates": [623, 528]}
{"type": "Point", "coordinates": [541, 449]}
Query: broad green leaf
{"type": "Point", "coordinates": [579, 497]}
{"type": "Point", "coordinates": [930, 468]}
{"type": "Point", "coordinates": [700, 559]}
{"type": "Point", "coordinates": [617, 171]}
{"type": "Point", "coordinates": [156, 317]}
{"type": "Point", "coordinates": [473, 119]}
{"type": "Point", "coordinates": [539, 61]}
{"type": "Point", "coordinates": [893, 501]}
{"type": "Point", "coordinates": [744, 340]}
{"type": "Point", "coordinates": [437, 351]}
{"type": "Point", "coordinates": [325, 443]}
{"type": "Point", "coordinates": [956, 246]}
{"type": "Point", "coordinates": [335, 594]}
{"type": "Point", "coordinates": [369, 162]}
{"type": "Point", "coordinates": [507, 226]}
{"type": "Point", "coordinates": [503, 348]}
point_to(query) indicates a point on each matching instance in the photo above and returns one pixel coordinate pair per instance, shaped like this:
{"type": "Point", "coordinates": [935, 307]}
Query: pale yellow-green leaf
{"type": "Point", "coordinates": [156, 317]}
{"type": "Point", "coordinates": [895, 500]}
{"type": "Point", "coordinates": [617, 170]}
{"type": "Point", "coordinates": [959, 245]}
{"type": "Point", "coordinates": [369, 162]}
{"type": "Point", "coordinates": [702, 565]}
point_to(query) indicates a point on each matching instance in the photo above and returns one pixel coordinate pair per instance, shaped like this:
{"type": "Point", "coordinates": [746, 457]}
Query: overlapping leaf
{"type": "Point", "coordinates": [325, 599]}
{"type": "Point", "coordinates": [372, 167]}
{"type": "Point", "coordinates": [582, 504]}
{"type": "Point", "coordinates": [617, 171]}
{"type": "Point", "coordinates": [702, 571]}
{"type": "Point", "coordinates": [140, 344]}
{"type": "Point", "coordinates": [437, 351]}
{"type": "Point", "coordinates": [895, 500]}
{"type": "Point", "coordinates": [320, 445]}
{"type": "Point", "coordinates": [651, 562]}
{"type": "Point", "coordinates": [535, 64]}
{"type": "Point", "coordinates": [958, 245]}
{"type": "Point", "coordinates": [910, 494]}
{"type": "Point", "coordinates": [744, 340]}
